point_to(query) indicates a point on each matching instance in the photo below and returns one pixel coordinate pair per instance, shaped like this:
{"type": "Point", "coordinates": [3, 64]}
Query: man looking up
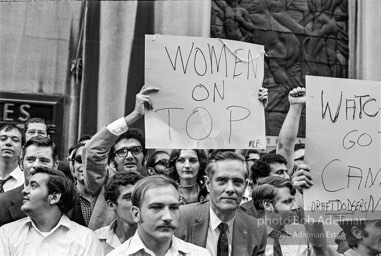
{"type": "Point", "coordinates": [217, 225]}
{"type": "Point", "coordinates": [121, 147]}
{"type": "Point", "coordinates": [11, 141]}
{"type": "Point", "coordinates": [155, 209]}
{"type": "Point", "coordinates": [36, 152]}
{"type": "Point", "coordinates": [47, 230]}
{"type": "Point", "coordinates": [118, 197]}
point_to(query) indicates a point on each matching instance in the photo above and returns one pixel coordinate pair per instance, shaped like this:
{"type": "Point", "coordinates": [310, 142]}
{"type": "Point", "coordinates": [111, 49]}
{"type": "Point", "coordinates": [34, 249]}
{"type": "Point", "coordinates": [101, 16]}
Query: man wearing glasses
{"type": "Point", "coordinates": [158, 163]}
{"type": "Point", "coordinates": [115, 148]}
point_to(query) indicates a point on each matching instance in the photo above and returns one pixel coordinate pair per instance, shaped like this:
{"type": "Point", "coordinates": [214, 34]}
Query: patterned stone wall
{"type": "Point", "coordinates": [301, 37]}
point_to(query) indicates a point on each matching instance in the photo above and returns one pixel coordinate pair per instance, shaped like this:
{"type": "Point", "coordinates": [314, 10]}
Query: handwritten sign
{"type": "Point", "coordinates": [208, 94]}
{"type": "Point", "coordinates": [343, 147]}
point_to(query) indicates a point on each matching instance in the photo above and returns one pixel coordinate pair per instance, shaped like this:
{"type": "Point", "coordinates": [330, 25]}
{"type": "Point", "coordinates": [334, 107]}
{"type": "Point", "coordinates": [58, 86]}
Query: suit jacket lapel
{"type": "Point", "coordinates": [201, 225]}
{"type": "Point", "coordinates": [239, 245]}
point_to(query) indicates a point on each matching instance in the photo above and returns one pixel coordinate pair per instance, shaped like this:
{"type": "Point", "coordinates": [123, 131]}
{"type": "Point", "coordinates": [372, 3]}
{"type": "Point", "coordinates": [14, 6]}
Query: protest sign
{"type": "Point", "coordinates": [343, 148]}
{"type": "Point", "coordinates": [208, 95]}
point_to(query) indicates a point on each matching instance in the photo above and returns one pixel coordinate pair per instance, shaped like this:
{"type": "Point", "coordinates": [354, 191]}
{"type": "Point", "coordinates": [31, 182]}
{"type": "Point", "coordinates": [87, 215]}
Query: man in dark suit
{"type": "Point", "coordinates": [38, 151]}
{"type": "Point", "coordinates": [217, 225]}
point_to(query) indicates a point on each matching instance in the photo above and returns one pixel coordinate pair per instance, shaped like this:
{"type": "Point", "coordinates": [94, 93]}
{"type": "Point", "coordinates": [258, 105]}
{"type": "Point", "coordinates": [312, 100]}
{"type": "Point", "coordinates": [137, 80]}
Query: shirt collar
{"type": "Point", "coordinates": [108, 233]}
{"type": "Point", "coordinates": [215, 221]}
{"type": "Point", "coordinates": [64, 221]}
{"type": "Point", "coordinates": [283, 231]}
{"type": "Point", "coordinates": [136, 244]}
{"type": "Point", "coordinates": [17, 174]}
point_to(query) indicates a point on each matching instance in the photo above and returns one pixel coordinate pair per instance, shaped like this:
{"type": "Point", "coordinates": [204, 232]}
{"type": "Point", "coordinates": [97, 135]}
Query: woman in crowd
{"type": "Point", "coordinates": [188, 170]}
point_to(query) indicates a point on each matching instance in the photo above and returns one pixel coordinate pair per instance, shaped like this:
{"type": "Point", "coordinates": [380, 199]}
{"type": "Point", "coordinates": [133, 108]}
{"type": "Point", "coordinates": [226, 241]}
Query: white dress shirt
{"type": "Point", "coordinates": [22, 237]}
{"type": "Point", "coordinates": [118, 127]}
{"type": "Point", "coordinates": [293, 241]}
{"type": "Point", "coordinates": [135, 247]}
{"type": "Point", "coordinates": [16, 179]}
{"type": "Point", "coordinates": [214, 233]}
{"type": "Point", "coordinates": [108, 238]}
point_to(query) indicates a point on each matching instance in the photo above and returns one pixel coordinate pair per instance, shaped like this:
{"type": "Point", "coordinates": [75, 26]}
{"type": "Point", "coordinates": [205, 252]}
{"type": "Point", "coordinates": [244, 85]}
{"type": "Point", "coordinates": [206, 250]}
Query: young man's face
{"type": "Point", "coordinates": [158, 215]}
{"type": "Point", "coordinates": [36, 156]}
{"type": "Point", "coordinates": [36, 196]}
{"type": "Point", "coordinates": [278, 169]}
{"type": "Point", "coordinates": [123, 204]}
{"type": "Point", "coordinates": [10, 143]}
{"type": "Point", "coordinates": [130, 162]}
{"type": "Point", "coordinates": [226, 186]}
{"type": "Point", "coordinates": [36, 129]}
{"type": "Point", "coordinates": [284, 206]}
{"type": "Point", "coordinates": [372, 236]}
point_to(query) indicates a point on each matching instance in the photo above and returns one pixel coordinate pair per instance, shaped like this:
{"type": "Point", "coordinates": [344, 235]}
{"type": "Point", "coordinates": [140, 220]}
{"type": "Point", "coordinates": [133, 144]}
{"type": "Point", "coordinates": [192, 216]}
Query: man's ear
{"type": "Point", "coordinates": [21, 163]}
{"type": "Point", "coordinates": [144, 161]}
{"type": "Point", "coordinates": [207, 183]}
{"type": "Point", "coordinates": [135, 214]}
{"type": "Point", "coordinates": [54, 198]}
{"type": "Point", "coordinates": [55, 164]}
{"type": "Point", "coordinates": [111, 205]}
{"type": "Point", "coordinates": [151, 171]}
{"type": "Point", "coordinates": [357, 233]}
{"type": "Point", "coordinates": [268, 206]}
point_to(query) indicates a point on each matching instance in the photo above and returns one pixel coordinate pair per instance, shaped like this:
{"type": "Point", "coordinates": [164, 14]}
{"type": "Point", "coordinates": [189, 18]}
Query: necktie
{"type": "Point", "coordinates": [223, 244]}
{"type": "Point", "coordinates": [277, 249]}
{"type": "Point", "coordinates": [2, 184]}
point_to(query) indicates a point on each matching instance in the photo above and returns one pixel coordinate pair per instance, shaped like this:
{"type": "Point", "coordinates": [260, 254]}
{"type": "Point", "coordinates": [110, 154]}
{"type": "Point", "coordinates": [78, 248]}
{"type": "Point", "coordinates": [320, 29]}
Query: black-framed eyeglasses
{"type": "Point", "coordinates": [251, 160]}
{"type": "Point", "coordinates": [78, 159]}
{"type": "Point", "coordinates": [163, 162]}
{"type": "Point", "coordinates": [124, 151]}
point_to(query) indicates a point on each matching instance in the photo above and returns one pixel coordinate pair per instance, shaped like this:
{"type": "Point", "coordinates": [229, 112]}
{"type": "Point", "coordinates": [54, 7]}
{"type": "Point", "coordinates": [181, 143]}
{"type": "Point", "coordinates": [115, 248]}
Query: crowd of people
{"type": "Point", "coordinates": [113, 199]}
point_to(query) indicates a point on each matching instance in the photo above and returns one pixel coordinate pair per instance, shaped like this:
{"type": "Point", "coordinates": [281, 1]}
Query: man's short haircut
{"type": "Point", "coordinates": [220, 156]}
{"type": "Point", "coordinates": [299, 146]}
{"type": "Point", "coordinates": [147, 183]}
{"type": "Point", "coordinates": [152, 158]}
{"type": "Point", "coordinates": [261, 167]}
{"type": "Point", "coordinates": [79, 144]}
{"type": "Point", "coordinates": [59, 183]}
{"type": "Point", "coordinates": [266, 190]}
{"type": "Point", "coordinates": [252, 151]}
{"type": "Point", "coordinates": [41, 141]}
{"type": "Point", "coordinates": [120, 179]}
{"type": "Point", "coordinates": [132, 133]}
{"type": "Point", "coordinates": [202, 159]}
{"type": "Point", "coordinates": [9, 127]}
{"type": "Point", "coordinates": [35, 120]}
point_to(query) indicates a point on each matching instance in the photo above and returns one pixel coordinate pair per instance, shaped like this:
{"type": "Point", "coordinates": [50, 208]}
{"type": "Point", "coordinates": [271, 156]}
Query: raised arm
{"type": "Point", "coordinates": [96, 151]}
{"type": "Point", "coordinates": [289, 130]}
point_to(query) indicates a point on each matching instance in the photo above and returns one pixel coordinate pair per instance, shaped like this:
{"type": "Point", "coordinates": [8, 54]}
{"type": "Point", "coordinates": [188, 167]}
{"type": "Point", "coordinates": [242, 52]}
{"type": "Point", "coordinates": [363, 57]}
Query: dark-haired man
{"type": "Point", "coordinates": [47, 231]}
{"type": "Point", "coordinates": [36, 152]}
{"type": "Point", "coordinates": [11, 141]}
{"type": "Point", "coordinates": [217, 224]}
{"type": "Point", "coordinates": [158, 163]}
{"type": "Point", "coordinates": [155, 209]}
{"type": "Point", "coordinates": [118, 196]}
{"type": "Point", "coordinates": [115, 148]}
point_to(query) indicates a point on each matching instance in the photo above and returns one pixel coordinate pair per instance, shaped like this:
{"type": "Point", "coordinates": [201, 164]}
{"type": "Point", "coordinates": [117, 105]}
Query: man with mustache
{"type": "Point", "coordinates": [11, 141]}
{"type": "Point", "coordinates": [218, 225]}
{"type": "Point", "coordinates": [155, 208]}
{"type": "Point", "coordinates": [47, 230]}
{"type": "Point", "coordinates": [115, 148]}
